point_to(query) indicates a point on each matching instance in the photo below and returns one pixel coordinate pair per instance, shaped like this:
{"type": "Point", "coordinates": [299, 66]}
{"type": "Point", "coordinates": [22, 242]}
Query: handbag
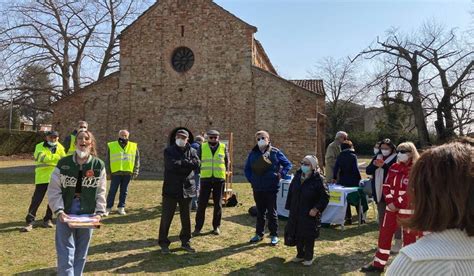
{"type": "Point", "coordinates": [262, 164]}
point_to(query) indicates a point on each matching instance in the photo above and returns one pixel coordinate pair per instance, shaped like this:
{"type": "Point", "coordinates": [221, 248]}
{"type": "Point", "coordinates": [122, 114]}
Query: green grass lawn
{"type": "Point", "coordinates": [128, 244]}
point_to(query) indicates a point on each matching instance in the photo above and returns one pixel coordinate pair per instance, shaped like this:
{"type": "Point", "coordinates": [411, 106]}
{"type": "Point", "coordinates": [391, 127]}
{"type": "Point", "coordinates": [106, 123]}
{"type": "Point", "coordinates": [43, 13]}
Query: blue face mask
{"type": "Point", "coordinates": [305, 169]}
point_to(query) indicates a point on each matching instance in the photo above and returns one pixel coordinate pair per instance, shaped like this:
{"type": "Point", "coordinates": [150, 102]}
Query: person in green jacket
{"type": "Point", "coordinates": [47, 155]}
{"type": "Point", "coordinates": [77, 187]}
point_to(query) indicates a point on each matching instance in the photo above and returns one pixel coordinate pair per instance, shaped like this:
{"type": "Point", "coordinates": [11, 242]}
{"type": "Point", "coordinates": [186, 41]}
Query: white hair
{"type": "Point", "coordinates": [82, 122]}
{"type": "Point", "coordinates": [341, 134]}
{"type": "Point", "coordinates": [123, 130]}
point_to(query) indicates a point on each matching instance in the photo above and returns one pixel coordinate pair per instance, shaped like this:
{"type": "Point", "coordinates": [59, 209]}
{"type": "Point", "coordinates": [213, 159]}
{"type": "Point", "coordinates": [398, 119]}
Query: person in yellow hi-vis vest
{"type": "Point", "coordinates": [70, 141]}
{"type": "Point", "coordinates": [47, 154]}
{"type": "Point", "coordinates": [214, 165]}
{"type": "Point", "coordinates": [123, 163]}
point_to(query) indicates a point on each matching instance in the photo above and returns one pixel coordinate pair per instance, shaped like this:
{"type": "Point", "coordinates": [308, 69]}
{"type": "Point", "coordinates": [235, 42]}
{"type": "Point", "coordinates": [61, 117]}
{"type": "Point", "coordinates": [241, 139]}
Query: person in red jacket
{"type": "Point", "coordinates": [395, 191]}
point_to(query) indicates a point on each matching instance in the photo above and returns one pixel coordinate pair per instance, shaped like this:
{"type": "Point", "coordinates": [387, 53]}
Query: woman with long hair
{"type": "Point", "coordinates": [396, 197]}
{"type": "Point", "coordinates": [77, 187]}
{"type": "Point", "coordinates": [442, 193]}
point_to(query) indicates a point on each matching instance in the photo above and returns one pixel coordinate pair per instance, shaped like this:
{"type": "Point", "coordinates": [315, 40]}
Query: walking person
{"type": "Point", "coordinates": [214, 158]}
{"type": "Point", "coordinates": [197, 174]}
{"type": "Point", "coordinates": [307, 199]}
{"type": "Point", "coordinates": [346, 172]}
{"type": "Point", "coordinates": [378, 168]}
{"type": "Point", "coordinates": [332, 152]}
{"type": "Point", "coordinates": [178, 189]}
{"type": "Point", "coordinates": [396, 197]}
{"type": "Point", "coordinates": [78, 187]}
{"type": "Point", "coordinates": [264, 168]}
{"type": "Point", "coordinates": [445, 213]}
{"type": "Point", "coordinates": [47, 154]}
{"type": "Point", "coordinates": [123, 163]}
{"type": "Point", "coordinates": [70, 141]}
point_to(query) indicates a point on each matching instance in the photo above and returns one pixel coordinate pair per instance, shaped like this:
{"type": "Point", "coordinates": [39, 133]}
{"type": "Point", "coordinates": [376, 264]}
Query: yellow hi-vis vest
{"type": "Point", "coordinates": [122, 159]}
{"type": "Point", "coordinates": [72, 145]}
{"type": "Point", "coordinates": [46, 161]}
{"type": "Point", "coordinates": [213, 165]}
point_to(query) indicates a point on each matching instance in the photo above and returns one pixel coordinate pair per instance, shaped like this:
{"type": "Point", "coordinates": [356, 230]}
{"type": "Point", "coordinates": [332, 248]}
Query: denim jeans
{"type": "Point", "coordinates": [71, 248]}
{"type": "Point", "coordinates": [197, 181]}
{"type": "Point", "coordinates": [117, 181]}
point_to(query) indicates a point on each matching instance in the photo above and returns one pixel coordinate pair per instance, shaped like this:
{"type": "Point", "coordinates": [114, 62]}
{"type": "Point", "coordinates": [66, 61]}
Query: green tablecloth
{"type": "Point", "coordinates": [354, 197]}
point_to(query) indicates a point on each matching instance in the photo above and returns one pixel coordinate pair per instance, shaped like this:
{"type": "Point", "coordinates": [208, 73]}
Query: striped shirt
{"type": "Point", "coordinates": [450, 252]}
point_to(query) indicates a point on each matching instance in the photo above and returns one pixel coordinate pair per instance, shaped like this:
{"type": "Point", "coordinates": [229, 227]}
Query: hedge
{"type": "Point", "coordinates": [18, 141]}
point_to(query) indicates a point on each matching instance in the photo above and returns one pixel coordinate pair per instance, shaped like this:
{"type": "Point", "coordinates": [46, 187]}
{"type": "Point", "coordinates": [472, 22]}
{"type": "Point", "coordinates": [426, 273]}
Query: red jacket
{"type": "Point", "coordinates": [395, 188]}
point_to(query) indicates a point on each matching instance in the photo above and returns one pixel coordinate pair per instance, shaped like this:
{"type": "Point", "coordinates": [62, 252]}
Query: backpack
{"type": "Point", "coordinates": [232, 201]}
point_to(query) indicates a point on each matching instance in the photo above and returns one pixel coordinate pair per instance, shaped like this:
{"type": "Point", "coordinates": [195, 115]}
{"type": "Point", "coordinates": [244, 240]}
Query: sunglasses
{"type": "Point", "coordinates": [305, 164]}
{"type": "Point", "coordinates": [212, 137]}
{"type": "Point", "coordinates": [403, 151]}
{"type": "Point", "coordinates": [261, 138]}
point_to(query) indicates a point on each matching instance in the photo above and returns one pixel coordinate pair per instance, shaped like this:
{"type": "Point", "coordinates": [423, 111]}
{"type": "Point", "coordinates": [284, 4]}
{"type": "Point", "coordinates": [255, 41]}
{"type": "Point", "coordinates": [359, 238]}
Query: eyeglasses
{"type": "Point", "coordinates": [212, 137]}
{"type": "Point", "coordinates": [305, 164]}
{"type": "Point", "coordinates": [403, 151]}
{"type": "Point", "coordinates": [261, 138]}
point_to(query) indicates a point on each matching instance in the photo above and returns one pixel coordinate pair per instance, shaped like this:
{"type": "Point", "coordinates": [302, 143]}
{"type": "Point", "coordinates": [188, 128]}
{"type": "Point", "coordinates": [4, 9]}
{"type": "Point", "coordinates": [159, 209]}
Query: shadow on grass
{"type": "Point", "coordinates": [134, 215]}
{"type": "Point", "coordinates": [262, 268]}
{"type": "Point", "coordinates": [332, 234]}
{"type": "Point", "coordinates": [8, 177]}
{"type": "Point", "coordinates": [155, 262]}
{"type": "Point", "coordinates": [13, 226]}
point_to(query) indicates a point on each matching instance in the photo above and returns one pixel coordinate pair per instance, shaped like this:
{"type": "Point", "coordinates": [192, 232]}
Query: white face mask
{"type": "Point", "coordinates": [52, 143]}
{"type": "Point", "coordinates": [376, 151]}
{"type": "Point", "coordinates": [386, 152]}
{"type": "Point", "coordinates": [403, 157]}
{"type": "Point", "coordinates": [262, 143]}
{"type": "Point", "coordinates": [82, 154]}
{"type": "Point", "coordinates": [180, 143]}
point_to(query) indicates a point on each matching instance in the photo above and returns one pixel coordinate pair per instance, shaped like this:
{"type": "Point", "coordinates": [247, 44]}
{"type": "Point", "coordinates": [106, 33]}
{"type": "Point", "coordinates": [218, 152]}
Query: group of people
{"type": "Point", "coordinates": [425, 201]}
{"type": "Point", "coordinates": [414, 194]}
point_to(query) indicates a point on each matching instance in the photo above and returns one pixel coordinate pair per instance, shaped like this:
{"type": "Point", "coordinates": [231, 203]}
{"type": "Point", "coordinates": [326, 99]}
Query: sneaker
{"type": "Point", "coordinates": [274, 240]}
{"type": "Point", "coordinates": [47, 224]}
{"type": "Point", "coordinates": [188, 248]}
{"type": "Point", "coordinates": [27, 228]}
{"type": "Point", "coordinates": [308, 263]}
{"type": "Point", "coordinates": [165, 250]}
{"type": "Point", "coordinates": [196, 233]}
{"type": "Point", "coordinates": [371, 268]}
{"type": "Point", "coordinates": [297, 260]}
{"type": "Point", "coordinates": [256, 238]}
{"type": "Point", "coordinates": [121, 211]}
{"type": "Point", "coordinates": [216, 231]}
{"type": "Point", "coordinates": [396, 246]}
{"type": "Point", "coordinates": [107, 212]}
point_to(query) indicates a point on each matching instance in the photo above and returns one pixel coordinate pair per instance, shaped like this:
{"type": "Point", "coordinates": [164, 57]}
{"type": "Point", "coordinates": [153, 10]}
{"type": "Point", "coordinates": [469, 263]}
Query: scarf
{"type": "Point", "coordinates": [379, 177]}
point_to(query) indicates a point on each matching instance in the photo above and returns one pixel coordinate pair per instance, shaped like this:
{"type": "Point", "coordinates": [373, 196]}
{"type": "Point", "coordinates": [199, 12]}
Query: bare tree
{"type": "Point", "coordinates": [453, 62]}
{"type": "Point", "coordinates": [65, 34]}
{"type": "Point", "coordinates": [343, 90]}
{"type": "Point", "coordinates": [403, 66]}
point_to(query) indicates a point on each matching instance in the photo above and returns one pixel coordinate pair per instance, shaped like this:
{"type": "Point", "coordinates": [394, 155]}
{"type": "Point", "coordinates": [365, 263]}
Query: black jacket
{"type": "Point", "coordinates": [302, 197]}
{"type": "Point", "coordinates": [347, 169]}
{"type": "Point", "coordinates": [180, 164]}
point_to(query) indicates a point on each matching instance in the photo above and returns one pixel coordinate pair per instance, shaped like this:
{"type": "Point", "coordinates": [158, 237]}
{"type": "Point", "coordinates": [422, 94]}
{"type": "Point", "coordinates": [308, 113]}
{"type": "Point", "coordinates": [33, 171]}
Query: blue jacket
{"type": "Point", "coordinates": [347, 169]}
{"type": "Point", "coordinates": [270, 180]}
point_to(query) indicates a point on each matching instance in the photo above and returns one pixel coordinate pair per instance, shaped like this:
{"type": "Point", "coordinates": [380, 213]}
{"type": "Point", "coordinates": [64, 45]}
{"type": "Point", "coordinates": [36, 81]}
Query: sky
{"type": "Point", "coordinates": [298, 33]}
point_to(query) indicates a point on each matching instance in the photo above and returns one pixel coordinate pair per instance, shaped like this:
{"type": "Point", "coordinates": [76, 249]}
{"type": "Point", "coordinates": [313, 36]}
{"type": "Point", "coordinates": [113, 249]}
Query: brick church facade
{"type": "Point", "coordinates": [191, 63]}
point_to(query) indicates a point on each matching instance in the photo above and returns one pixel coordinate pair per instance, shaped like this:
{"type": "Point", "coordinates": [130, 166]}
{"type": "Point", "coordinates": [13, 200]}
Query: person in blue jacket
{"type": "Point", "coordinates": [264, 168]}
